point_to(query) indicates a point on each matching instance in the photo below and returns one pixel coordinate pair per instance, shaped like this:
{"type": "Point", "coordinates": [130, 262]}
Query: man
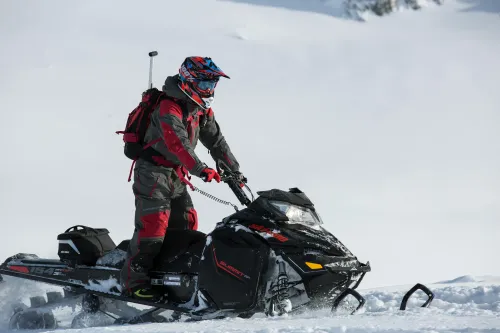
{"type": "Point", "coordinates": [162, 199]}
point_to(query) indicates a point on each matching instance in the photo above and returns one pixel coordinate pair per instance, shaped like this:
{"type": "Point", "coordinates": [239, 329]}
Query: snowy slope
{"type": "Point", "coordinates": [390, 126]}
{"type": "Point", "coordinates": [472, 306]}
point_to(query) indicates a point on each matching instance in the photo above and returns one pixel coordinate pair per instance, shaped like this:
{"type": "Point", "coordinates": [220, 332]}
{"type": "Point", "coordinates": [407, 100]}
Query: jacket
{"type": "Point", "coordinates": [177, 125]}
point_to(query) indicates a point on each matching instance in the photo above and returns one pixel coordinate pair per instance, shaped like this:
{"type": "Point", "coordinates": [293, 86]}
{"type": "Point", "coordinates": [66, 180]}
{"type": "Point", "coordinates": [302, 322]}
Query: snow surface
{"type": "Point", "coordinates": [390, 126]}
{"type": "Point", "coordinates": [474, 307]}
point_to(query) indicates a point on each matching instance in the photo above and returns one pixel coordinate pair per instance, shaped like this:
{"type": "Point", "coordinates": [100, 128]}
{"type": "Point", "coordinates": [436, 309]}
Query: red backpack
{"type": "Point", "coordinates": [138, 123]}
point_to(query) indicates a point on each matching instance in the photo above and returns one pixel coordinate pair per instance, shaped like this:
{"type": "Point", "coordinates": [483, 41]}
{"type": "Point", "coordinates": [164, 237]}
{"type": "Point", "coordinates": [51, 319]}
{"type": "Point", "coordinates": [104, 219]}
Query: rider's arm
{"type": "Point", "coordinates": [211, 137]}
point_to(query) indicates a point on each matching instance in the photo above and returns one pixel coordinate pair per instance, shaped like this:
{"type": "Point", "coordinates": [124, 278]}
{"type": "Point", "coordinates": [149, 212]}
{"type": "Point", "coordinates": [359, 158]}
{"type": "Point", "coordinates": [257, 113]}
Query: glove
{"type": "Point", "coordinates": [208, 174]}
{"type": "Point", "coordinates": [240, 178]}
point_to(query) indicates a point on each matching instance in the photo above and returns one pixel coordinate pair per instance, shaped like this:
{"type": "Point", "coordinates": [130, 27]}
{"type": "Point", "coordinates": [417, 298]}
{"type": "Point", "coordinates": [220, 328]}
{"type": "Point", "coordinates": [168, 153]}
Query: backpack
{"type": "Point", "coordinates": [138, 123]}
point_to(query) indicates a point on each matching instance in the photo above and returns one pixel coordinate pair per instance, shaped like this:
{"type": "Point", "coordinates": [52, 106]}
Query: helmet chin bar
{"type": "Point", "coordinates": [207, 100]}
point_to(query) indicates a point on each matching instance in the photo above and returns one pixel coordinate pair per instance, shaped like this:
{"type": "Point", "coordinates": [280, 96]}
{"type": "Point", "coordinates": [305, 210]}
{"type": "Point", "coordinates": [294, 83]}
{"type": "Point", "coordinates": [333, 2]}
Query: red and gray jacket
{"type": "Point", "coordinates": [174, 130]}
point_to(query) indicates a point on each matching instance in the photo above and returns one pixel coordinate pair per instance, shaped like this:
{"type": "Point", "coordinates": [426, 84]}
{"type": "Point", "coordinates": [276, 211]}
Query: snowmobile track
{"type": "Point", "coordinates": [82, 290]}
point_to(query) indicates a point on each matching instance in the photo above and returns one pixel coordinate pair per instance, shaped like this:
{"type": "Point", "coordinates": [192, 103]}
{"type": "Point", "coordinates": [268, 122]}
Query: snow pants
{"type": "Point", "coordinates": [161, 202]}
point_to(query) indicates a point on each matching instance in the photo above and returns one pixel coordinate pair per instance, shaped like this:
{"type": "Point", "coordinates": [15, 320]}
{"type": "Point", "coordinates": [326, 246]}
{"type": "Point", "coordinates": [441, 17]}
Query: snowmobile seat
{"type": "Point", "coordinates": [187, 237]}
{"type": "Point", "coordinates": [178, 241]}
{"type": "Point", "coordinates": [123, 245]}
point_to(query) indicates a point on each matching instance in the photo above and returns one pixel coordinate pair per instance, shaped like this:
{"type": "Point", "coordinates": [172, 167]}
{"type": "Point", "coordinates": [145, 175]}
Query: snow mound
{"type": "Point", "coordinates": [468, 299]}
{"type": "Point", "coordinates": [461, 279]}
{"type": "Point", "coordinates": [487, 6]}
{"type": "Point", "coordinates": [451, 299]}
{"type": "Point", "coordinates": [488, 279]}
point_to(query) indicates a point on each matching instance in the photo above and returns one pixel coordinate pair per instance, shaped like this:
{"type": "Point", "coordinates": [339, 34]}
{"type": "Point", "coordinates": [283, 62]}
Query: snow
{"type": "Point", "coordinates": [390, 126]}
{"type": "Point", "coordinates": [105, 286]}
{"type": "Point", "coordinates": [470, 308]}
{"type": "Point", "coordinates": [114, 258]}
{"type": "Point", "coordinates": [207, 243]}
{"type": "Point", "coordinates": [352, 9]}
{"type": "Point", "coordinates": [461, 279]}
{"type": "Point", "coordinates": [469, 278]}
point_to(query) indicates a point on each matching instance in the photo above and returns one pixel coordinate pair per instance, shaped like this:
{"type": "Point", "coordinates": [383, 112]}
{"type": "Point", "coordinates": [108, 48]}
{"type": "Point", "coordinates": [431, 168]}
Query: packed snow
{"type": "Point", "coordinates": [390, 126]}
{"type": "Point", "coordinates": [467, 307]}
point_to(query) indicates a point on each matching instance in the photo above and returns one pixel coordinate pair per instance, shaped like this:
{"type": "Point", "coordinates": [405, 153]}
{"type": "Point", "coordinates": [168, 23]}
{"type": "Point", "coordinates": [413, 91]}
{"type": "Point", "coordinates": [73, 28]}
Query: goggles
{"type": "Point", "coordinates": [205, 86]}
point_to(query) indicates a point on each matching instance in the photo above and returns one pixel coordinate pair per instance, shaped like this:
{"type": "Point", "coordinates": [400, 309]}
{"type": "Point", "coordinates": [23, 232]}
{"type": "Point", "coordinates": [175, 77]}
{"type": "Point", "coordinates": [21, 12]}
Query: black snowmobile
{"type": "Point", "coordinates": [274, 256]}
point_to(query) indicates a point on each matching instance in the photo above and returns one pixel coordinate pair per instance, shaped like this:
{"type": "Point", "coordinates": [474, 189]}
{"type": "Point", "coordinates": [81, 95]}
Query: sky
{"type": "Point", "coordinates": [390, 126]}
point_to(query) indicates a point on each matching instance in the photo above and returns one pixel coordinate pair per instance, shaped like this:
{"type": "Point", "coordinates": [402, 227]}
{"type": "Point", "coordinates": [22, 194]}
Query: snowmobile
{"type": "Point", "coordinates": [273, 257]}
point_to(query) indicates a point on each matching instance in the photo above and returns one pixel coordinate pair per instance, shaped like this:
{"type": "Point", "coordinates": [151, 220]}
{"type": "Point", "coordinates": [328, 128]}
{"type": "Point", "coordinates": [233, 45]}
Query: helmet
{"type": "Point", "coordinates": [198, 78]}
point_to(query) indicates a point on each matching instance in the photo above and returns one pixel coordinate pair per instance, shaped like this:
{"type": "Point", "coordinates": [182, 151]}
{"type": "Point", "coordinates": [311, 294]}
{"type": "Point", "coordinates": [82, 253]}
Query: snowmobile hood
{"type": "Point", "coordinates": [263, 206]}
{"type": "Point", "coordinates": [294, 196]}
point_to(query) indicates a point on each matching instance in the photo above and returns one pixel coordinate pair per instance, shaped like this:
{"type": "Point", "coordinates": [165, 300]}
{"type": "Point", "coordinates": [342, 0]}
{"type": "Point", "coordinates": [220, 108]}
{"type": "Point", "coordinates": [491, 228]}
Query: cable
{"type": "Point", "coordinates": [210, 196]}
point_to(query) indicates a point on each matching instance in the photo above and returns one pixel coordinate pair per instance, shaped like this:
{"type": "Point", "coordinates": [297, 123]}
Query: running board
{"type": "Point", "coordinates": [82, 290]}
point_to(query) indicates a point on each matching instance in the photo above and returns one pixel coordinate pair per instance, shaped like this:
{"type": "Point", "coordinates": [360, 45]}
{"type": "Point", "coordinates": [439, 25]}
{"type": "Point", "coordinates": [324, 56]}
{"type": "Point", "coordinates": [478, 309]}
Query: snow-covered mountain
{"type": "Point", "coordinates": [390, 126]}
{"type": "Point", "coordinates": [357, 8]}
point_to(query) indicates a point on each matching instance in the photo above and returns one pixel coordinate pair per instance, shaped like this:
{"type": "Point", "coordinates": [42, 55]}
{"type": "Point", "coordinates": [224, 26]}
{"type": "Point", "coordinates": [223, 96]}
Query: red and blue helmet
{"type": "Point", "coordinates": [198, 77]}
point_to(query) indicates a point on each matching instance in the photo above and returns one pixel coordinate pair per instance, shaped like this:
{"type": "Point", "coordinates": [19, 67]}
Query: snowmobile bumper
{"type": "Point", "coordinates": [326, 279]}
{"type": "Point", "coordinates": [343, 264]}
{"type": "Point", "coordinates": [355, 272]}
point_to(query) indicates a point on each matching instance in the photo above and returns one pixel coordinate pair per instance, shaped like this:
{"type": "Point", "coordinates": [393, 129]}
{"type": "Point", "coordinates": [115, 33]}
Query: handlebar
{"type": "Point", "coordinates": [229, 178]}
{"type": "Point", "coordinates": [238, 191]}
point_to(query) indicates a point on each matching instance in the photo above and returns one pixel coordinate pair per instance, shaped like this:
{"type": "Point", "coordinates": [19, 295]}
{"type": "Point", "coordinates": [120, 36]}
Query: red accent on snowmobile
{"type": "Point", "coordinates": [230, 269]}
{"type": "Point", "coordinates": [21, 269]}
{"type": "Point", "coordinates": [268, 231]}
